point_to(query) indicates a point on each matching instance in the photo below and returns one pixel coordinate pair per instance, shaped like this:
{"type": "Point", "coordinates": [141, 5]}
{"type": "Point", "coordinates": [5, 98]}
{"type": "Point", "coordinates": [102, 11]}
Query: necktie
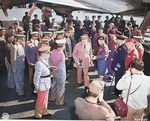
{"type": "Point", "coordinates": [84, 46]}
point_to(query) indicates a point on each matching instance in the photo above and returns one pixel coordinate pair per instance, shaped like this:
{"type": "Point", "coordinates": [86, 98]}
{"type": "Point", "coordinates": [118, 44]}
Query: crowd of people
{"type": "Point", "coordinates": [90, 45]}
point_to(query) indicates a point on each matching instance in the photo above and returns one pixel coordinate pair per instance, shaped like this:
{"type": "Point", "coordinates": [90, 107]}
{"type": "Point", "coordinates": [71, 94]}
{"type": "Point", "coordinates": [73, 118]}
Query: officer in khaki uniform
{"type": "Point", "coordinates": [17, 60]}
{"type": "Point", "coordinates": [31, 48]}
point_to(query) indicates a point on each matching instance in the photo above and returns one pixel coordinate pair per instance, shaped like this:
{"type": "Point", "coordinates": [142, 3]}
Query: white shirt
{"type": "Point", "coordinates": [137, 100]}
{"type": "Point", "coordinates": [34, 43]}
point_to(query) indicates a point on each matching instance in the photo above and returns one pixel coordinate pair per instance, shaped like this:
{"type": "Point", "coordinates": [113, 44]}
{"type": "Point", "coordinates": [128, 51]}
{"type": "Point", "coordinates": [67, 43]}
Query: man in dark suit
{"type": "Point", "coordinates": [128, 30]}
{"type": "Point", "coordinates": [118, 63]}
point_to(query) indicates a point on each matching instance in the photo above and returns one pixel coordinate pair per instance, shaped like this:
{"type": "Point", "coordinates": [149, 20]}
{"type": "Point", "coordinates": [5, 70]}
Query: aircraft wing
{"type": "Point", "coordinates": [124, 7]}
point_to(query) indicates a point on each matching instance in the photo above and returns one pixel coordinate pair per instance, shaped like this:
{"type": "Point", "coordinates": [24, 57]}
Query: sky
{"type": "Point", "coordinates": [19, 13]}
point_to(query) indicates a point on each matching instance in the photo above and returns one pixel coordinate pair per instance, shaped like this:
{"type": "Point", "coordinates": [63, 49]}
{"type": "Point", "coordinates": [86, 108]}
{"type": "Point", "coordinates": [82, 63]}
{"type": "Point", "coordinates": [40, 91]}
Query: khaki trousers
{"type": "Point", "coordinates": [31, 73]}
{"type": "Point", "coordinates": [133, 114]}
{"type": "Point", "coordinates": [86, 77]}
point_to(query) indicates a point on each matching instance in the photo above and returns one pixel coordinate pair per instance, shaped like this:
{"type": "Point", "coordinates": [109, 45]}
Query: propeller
{"type": "Point", "coordinates": [5, 12]}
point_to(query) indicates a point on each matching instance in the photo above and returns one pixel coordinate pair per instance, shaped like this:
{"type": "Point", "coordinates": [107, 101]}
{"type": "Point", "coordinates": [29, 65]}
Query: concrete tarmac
{"type": "Point", "coordinates": [23, 107]}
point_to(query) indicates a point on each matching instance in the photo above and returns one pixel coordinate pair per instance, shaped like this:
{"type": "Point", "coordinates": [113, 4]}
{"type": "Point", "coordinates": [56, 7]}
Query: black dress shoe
{"type": "Point", "coordinates": [36, 118]}
{"type": "Point", "coordinates": [80, 84]}
{"type": "Point", "coordinates": [47, 116]}
{"type": "Point", "coordinates": [86, 89]}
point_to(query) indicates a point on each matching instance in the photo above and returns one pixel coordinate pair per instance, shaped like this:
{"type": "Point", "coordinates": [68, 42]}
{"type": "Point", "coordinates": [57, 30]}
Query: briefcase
{"type": "Point", "coordinates": [121, 108]}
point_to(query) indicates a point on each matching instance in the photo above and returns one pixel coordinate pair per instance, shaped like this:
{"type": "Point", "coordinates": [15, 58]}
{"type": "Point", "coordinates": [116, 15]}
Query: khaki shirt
{"type": "Point", "coordinates": [89, 111]}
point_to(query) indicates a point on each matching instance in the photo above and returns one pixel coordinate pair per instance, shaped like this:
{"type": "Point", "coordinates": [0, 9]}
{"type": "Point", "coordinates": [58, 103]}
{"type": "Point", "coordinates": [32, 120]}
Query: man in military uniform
{"type": "Point", "coordinates": [139, 46]}
{"type": "Point", "coordinates": [132, 52]}
{"type": "Point", "coordinates": [86, 22]}
{"type": "Point", "coordinates": [118, 63]}
{"type": "Point", "coordinates": [98, 23]}
{"type": "Point", "coordinates": [46, 36]}
{"type": "Point", "coordinates": [31, 48]}
{"type": "Point", "coordinates": [35, 21]}
{"type": "Point", "coordinates": [18, 64]}
{"type": "Point", "coordinates": [107, 22]}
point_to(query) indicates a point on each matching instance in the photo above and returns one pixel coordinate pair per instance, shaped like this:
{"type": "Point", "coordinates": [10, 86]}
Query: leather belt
{"type": "Point", "coordinates": [45, 76]}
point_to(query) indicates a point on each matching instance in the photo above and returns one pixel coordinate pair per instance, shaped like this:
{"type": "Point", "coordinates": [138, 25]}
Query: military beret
{"type": "Point", "coordinates": [47, 33]}
{"type": "Point", "coordinates": [99, 16]}
{"type": "Point", "coordinates": [19, 36]}
{"type": "Point", "coordinates": [44, 49]}
{"type": "Point", "coordinates": [61, 42]}
{"type": "Point", "coordinates": [121, 37]}
{"type": "Point", "coordinates": [106, 16]}
{"type": "Point", "coordinates": [34, 34]}
{"type": "Point", "coordinates": [100, 38]}
{"type": "Point", "coordinates": [131, 40]}
{"type": "Point", "coordinates": [35, 15]}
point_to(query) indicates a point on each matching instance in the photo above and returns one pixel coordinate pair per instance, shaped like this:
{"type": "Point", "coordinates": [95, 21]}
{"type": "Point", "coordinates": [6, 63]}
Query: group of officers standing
{"type": "Point", "coordinates": [56, 50]}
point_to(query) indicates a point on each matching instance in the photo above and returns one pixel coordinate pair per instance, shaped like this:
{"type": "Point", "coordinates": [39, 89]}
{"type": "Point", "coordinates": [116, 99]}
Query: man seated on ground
{"type": "Point", "coordinates": [89, 109]}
